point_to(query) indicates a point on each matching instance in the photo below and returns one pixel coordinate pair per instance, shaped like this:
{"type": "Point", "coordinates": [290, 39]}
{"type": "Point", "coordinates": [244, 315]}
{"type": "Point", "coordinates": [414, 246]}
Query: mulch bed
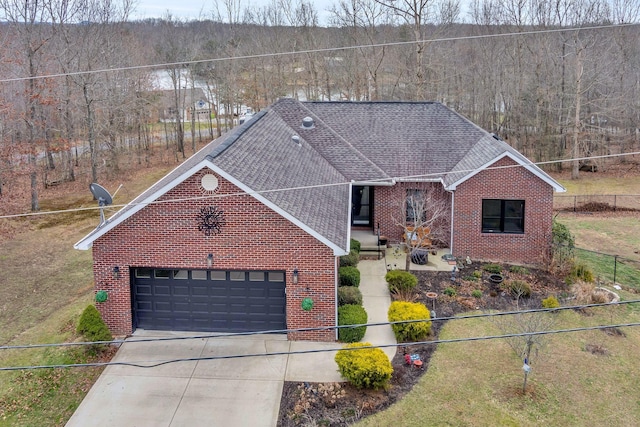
{"type": "Point", "coordinates": [341, 404]}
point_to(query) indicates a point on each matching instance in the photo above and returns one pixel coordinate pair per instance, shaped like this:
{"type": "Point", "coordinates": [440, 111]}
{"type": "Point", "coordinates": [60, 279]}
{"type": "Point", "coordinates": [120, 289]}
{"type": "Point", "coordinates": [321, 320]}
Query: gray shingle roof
{"type": "Point", "coordinates": [350, 141]}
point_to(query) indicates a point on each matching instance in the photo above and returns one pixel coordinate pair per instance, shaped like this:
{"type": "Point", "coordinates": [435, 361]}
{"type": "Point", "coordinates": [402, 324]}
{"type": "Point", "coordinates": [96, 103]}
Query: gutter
{"type": "Point", "coordinates": [453, 205]}
{"type": "Point", "coordinates": [375, 183]}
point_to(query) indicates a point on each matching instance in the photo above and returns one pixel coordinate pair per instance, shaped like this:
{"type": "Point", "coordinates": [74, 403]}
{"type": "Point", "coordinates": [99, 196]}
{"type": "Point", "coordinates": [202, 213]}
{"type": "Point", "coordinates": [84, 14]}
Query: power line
{"type": "Point", "coordinates": [322, 328]}
{"type": "Point", "coordinates": [288, 353]}
{"type": "Point", "coordinates": [313, 186]}
{"type": "Point", "coordinates": [318, 50]}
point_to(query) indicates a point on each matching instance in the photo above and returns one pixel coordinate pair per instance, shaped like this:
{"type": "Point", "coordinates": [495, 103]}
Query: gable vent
{"type": "Point", "coordinates": [307, 123]}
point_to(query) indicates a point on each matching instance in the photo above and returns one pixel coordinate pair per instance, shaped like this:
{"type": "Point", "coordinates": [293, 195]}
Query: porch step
{"type": "Point", "coordinates": [369, 251]}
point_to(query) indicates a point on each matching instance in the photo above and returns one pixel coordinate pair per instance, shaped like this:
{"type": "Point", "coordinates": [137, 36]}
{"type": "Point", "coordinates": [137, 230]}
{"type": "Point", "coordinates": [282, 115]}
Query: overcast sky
{"type": "Point", "coordinates": [192, 9]}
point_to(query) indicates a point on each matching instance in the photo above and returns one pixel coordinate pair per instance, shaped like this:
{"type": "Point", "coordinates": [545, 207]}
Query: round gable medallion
{"type": "Point", "coordinates": [209, 182]}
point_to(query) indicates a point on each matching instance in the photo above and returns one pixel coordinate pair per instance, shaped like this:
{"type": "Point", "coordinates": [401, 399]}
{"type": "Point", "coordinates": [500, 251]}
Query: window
{"type": "Point", "coordinates": [415, 205]}
{"type": "Point", "coordinates": [502, 216]}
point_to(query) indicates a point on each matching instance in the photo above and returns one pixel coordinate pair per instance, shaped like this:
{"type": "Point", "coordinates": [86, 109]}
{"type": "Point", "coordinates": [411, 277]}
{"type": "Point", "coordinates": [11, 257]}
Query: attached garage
{"type": "Point", "coordinates": [208, 300]}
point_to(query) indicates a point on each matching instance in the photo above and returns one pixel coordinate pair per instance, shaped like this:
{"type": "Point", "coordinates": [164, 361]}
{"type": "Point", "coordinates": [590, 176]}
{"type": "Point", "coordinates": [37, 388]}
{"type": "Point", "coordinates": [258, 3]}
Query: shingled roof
{"type": "Point", "coordinates": [304, 171]}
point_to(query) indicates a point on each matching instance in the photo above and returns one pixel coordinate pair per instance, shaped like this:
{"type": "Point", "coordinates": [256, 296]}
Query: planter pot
{"type": "Point", "coordinates": [420, 256]}
{"type": "Point", "coordinates": [496, 278]}
{"type": "Point", "coordinates": [382, 241]}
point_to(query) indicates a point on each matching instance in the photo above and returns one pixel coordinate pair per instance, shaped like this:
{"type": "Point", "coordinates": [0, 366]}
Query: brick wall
{"type": "Point", "coordinates": [510, 183]}
{"type": "Point", "coordinates": [515, 183]}
{"type": "Point", "coordinates": [255, 237]}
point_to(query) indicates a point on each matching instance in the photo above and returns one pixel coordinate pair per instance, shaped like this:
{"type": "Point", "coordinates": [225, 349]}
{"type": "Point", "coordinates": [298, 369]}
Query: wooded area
{"type": "Point", "coordinates": [555, 79]}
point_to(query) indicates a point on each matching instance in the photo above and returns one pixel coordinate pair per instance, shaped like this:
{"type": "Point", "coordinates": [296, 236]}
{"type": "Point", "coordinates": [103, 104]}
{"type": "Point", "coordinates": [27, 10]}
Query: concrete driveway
{"type": "Point", "coordinates": [224, 392]}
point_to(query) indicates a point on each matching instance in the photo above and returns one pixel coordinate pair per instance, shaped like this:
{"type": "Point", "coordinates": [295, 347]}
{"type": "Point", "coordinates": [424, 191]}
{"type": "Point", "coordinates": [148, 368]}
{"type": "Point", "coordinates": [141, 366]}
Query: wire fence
{"type": "Point", "coordinates": [597, 202]}
{"type": "Point", "coordinates": [610, 268]}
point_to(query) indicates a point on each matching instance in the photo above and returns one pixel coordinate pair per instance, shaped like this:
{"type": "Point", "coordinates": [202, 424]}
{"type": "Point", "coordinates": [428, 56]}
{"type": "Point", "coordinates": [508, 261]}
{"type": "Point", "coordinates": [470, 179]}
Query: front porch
{"type": "Point", "coordinates": [395, 255]}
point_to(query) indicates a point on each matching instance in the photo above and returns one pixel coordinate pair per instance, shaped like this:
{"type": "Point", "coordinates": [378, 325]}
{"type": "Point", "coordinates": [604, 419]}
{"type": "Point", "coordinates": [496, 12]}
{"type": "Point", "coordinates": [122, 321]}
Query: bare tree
{"type": "Point", "coordinates": [525, 343]}
{"type": "Point", "coordinates": [423, 212]}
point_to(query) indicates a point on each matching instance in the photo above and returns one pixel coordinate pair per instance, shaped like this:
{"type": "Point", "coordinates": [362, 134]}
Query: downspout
{"type": "Point", "coordinates": [453, 199]}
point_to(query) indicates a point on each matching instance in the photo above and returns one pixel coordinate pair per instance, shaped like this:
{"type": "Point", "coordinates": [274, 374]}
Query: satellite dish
{"type": "Point", "coordinates": [103, 197]}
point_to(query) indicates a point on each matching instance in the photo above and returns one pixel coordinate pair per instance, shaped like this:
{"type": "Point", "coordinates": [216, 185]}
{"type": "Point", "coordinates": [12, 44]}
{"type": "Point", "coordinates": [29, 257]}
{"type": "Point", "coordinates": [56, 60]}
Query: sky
{"type": "Point", "coordinates": [192, 9]}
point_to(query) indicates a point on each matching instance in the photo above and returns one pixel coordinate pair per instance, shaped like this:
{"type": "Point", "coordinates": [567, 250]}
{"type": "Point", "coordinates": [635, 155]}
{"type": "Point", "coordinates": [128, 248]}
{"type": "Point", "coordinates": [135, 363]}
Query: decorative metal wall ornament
{"type": "Point", "coordinates": [210, 220]}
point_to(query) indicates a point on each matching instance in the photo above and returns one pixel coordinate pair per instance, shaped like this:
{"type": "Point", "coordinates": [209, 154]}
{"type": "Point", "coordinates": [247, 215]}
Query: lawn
{"type": "Point", "coordinates": [480, 383]}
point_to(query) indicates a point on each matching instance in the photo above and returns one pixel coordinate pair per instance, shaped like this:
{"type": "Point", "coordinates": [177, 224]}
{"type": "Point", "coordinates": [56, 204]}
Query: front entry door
{"type": "Point", "coordinates": [362, 206]}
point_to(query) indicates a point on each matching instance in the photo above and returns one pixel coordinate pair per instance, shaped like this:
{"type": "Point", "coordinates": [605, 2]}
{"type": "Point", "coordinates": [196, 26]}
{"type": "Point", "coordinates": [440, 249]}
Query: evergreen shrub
{"type": "Point", "coordinates": [348, 276]}
{"type": "Point", "coordinates": [349, 295]}
{"type": "Point", "coordinates": [413, 331]}
{"type": "Point", "coordinates": [351, 314]}
{"type": "Point", "coordinates": [364, 367]}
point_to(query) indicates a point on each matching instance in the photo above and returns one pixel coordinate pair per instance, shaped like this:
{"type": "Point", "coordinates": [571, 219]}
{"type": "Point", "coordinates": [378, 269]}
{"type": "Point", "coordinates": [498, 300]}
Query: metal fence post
{"type": "Point", "coordinates": [615, 268]}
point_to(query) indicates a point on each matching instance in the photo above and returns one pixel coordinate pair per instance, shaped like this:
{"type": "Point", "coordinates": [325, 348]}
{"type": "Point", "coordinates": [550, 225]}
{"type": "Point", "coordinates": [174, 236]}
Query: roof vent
{"type": "Point", "coordinates": [296, 139]}
{"type": "Point", "coordinates": [307, 123]}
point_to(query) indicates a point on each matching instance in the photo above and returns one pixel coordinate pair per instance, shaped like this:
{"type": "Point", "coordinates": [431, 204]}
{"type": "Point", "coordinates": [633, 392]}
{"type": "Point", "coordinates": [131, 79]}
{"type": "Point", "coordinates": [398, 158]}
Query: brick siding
{"type": "Point", "coordinates": [166, 235]}
{"type": "Point", "coordinates": [510, 183]}
{"type": "Point", "coordinates": [513, 183]}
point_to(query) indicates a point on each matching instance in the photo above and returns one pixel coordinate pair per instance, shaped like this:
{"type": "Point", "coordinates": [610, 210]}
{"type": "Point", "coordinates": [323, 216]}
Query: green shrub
{"type": "Point", "coordinates": [354, 246]}
{"type": "Point", "coordinates": [348, 276]}
{"type": "Point", "coordinates": [471, 278]}
{"type": "Point", "coordinates": [477, 274]}
{"type": "Point", "coordinates": [550, 302]}
{"type": "Point", "coordinates": [364, 367]}
{"type": "Point", "coordinates": [519, 288]}
{"type": "Point", "coordinates": [413, 331]}
{"type": "Point", "coordinates": [450, 292]}
{"type": "Point", "coordinates": [350, 260]}
{"type": "Point", "coordinates": [92, 327]}
{"type": "Point", "coordinates": [518, 269]}
{"type": "Point", "coordinates": [492, 268]}
{"type": "Point", "coordinates": [476, 293]}
{"type": "Point", "coordinates": [351, 314]}
{"type": "Point", "coordinates": [349, 295]}
{"type": "Point", "coordinates": [400, 281]}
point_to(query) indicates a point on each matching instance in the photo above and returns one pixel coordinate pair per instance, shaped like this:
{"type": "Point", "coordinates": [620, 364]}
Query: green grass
{"type": "Point", "coordinates": [480, 383]}
{"type": "Point", "coordinates": [603, 268]}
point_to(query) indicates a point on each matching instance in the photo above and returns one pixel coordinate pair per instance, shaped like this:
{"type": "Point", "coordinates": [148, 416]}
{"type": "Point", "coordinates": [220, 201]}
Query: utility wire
{"type": "Point", "coordinates": [319, 50]}
{"type": "Point", "coordinates": [315, 329]}
{"type": "Point", "coordinates": [156, 364]}
{"type": "Point", "coordinates": [313, 186]}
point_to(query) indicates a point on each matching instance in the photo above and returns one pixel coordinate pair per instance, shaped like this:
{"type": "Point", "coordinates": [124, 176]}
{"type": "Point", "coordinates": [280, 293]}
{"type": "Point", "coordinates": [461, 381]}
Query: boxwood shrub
{"type": "Point", "coordinates": [351, 314]}
{"type": "Point", "coordinates": [401, 281]}
{"type": "Point", "coordinates": [355, 246]}
{"type": "Point", "coordinates": [364, 367]}
{"type": "Point", "coordinates": [348, 276]}
{"type": "Point", "coordinates": [92, 327]}
{"type": "Point", "coordinates": [350, 260]}
{"type": "Point", "coordinates": [413, 331]}
{"type": "Point", "coordinates": [349, 295]}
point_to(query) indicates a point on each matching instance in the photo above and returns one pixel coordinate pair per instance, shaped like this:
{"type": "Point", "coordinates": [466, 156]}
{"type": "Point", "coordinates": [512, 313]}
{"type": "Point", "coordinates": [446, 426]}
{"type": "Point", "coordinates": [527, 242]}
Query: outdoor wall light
{"type": "Point", "coordinates": [209, 260]}
{"type": "Point", "coordinates": [295, 276]}
{"type": "Point", "coordinates": [116, 272]}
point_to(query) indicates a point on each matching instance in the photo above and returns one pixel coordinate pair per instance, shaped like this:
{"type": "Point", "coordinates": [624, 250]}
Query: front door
{"type": "Point", "coordinates": [362, 206]}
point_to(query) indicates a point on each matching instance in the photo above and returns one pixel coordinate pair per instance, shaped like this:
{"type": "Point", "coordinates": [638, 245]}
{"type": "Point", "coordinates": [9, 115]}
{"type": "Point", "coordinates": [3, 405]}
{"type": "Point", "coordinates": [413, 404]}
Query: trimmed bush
{"type": "Point", "coordinates": [450, 292]}
{"type": "Point", "coordinates": [350, 260]}
{"type": "Point", "coordinates": [550, 302]}
{"type": "Point", "coordinates": [581, 272]}
{"type": "Point", "coordinates": [364, 367]}
{"type": "Point", "coordinates": [349, 295]}
{"type": "Point", "coordinates": [476, 293]}
{"type": "Point", "coordinates": [492, 268]}
{"type": "Point", "coordinates": [400, 281]}
{"type": "Point", "coordinates": [477, 274]}
{"type": "Point", "coordinates": [354, 246]}
{"type": "Point", "coordinates": [351, 314]}
{"type": "Point", "coordinates": [348, 276]}
{"type": "Point", "coordinates": [413, 331]}
{"type": "Point", "coordinates": [517, 269]}
{"type": "Point", "coordinates": [92, 327]}
{"type": "Point", "coordinates": [519, 288]}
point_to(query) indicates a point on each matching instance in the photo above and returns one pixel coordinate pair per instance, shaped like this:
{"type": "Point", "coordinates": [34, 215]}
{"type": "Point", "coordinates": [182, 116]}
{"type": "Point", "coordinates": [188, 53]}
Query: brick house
{"type": "Point", "coordinates": [237, 236]}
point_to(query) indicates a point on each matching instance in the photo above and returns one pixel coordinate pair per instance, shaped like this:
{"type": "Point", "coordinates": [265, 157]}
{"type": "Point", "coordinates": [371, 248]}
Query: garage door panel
{"type": "Point", "coordinates": [231, 301]}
